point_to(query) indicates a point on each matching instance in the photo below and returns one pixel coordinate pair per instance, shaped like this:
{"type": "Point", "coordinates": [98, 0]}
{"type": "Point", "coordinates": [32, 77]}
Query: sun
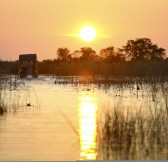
{"type": "Point", "coordinates": [87, 33]}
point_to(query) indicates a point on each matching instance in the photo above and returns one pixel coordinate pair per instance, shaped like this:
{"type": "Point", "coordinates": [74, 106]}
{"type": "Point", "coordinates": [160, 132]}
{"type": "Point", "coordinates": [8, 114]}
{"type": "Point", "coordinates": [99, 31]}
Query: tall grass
{"type": "Point", "coordinates": [132, 133]}
{"type": "Point", "coordinates": [131, 69]}
{"type": "Point", "coordinates": [141, 134]}
{"type": "Point", "coordinates": [125, 68]}
{"type": "Point", "coordinates": [10, 97]}
{"type": "Point", "coordinates": [3, 86]}
{"type": "Point", "coordinates": [125, 134]}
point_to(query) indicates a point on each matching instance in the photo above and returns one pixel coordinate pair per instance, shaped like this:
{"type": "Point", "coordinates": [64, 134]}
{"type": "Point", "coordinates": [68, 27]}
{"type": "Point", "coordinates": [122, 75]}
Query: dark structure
{"type": "Point", "coordinates": [28, 65]}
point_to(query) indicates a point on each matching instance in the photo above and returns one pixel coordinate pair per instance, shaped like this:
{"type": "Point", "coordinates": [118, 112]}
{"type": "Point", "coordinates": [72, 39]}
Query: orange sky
{"type": "Point", "coordinates": [42, 26]}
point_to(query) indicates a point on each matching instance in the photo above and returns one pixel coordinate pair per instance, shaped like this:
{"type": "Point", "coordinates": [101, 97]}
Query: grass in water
{"type": "Point", "coordinates": [128, 136]}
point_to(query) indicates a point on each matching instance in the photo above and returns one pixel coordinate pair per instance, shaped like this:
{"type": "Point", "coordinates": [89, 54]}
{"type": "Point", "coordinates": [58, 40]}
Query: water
{"type": "Point", "coordinates": [58, 121]}
{"type": "Point", "coordinates": [53, 127]}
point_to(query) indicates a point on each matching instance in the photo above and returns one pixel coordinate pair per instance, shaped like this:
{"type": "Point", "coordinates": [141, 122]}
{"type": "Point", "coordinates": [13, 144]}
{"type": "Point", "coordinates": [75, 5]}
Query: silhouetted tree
{"type": "Point", "coordinates": [143, 49]}
{"type": "Point", "coordinates": [111, 55]}
{"type": "Point", "coordinates": [63, 54]}
{"type": "Point", "coordinates": [76, 55]}
{"type": "Point", "coordinates": [87, 54]}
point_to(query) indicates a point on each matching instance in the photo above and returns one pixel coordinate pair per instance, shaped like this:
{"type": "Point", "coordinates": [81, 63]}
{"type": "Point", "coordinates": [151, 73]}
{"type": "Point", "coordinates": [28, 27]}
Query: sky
{"type": "Point", "coordinates": [43, 26]}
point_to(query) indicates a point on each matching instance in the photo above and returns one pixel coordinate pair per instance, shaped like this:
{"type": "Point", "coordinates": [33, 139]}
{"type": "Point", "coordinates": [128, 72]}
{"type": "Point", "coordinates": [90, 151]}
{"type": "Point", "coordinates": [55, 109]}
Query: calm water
{"type": "Point", "coordinates": [61, 121]}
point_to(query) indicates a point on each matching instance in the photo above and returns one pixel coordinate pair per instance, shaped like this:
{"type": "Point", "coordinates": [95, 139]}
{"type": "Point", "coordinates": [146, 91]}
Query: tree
{"type": "Point", "coordinates": [87, 54]}
{"type": "Point", "coordinates": [111, 55]}
{"type": "Point", "coordinates": [143, 49]}
{"type": "Point", "coordinates": [63, 54]}
{"type": "Point", "coordinates": [75, 55]}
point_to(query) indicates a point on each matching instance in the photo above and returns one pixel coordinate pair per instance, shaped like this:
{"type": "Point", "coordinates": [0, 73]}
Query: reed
{"type": "Point", "coordinates": [138, 134]}
{"type": "Point", "coordinates": [3, 83]}
{"type": "Point", "coordinates": [10, 99]}
{"type": "Point", "coordinates": [122, 69]}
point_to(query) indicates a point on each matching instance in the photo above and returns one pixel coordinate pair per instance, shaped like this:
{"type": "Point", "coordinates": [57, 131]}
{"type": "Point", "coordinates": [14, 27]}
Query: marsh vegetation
{"type": "Point", "coordinates": [135, 133]}
{"type": "Point", "coordinates": [134, 126]}
{"type": "Point", "coordinates": [127, 115]}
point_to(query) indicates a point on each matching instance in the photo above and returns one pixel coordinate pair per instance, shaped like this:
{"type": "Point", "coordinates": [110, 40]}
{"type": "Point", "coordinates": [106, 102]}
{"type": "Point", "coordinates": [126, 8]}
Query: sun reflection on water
{"type": "Point", "coordinates": [87, 126]}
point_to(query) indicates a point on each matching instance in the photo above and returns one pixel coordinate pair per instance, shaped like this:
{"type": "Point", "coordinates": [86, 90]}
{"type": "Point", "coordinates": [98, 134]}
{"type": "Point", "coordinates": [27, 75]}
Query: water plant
{"type": "Point", "coordinates": [136, 135]}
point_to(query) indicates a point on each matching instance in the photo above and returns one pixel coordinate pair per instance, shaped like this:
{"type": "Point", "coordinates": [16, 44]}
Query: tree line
{"type": "Point", "coordinates": [134, 50]}
{"type": "Point", "coordinates": [139, 57]}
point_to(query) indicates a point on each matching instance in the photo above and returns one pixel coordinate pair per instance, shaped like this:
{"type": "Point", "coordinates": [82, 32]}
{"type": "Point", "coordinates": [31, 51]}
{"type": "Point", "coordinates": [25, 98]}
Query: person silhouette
{"type": "Point", "coordinates": [30, 68]}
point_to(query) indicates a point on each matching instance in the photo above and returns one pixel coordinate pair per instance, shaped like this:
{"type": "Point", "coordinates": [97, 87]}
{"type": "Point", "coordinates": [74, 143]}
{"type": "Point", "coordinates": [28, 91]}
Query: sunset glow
{"type": "Point", "coordinates": [83, 80]}
{"type": "Point", "coordinates": [87, 33]}
{"type": "Point", "coordinates": [87, 115]}
{"type": "Point", "coordinates": [43, 26]}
